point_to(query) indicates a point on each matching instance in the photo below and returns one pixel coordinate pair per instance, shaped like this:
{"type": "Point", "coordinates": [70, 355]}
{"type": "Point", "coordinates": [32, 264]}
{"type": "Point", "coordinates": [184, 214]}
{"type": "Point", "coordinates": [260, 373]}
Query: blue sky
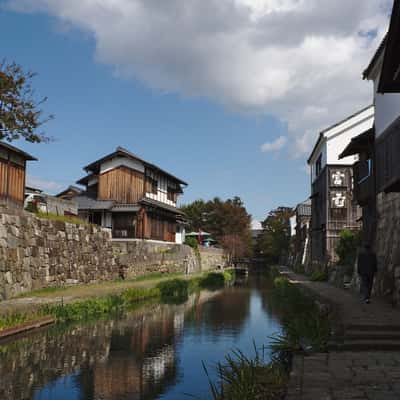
{"type": "Point", "coordinates": [209, 133]}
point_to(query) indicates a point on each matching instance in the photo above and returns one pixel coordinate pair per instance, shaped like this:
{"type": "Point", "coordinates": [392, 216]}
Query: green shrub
{"type": "Point", "coordinates": [346, 249]}
{"type": "Point", "coordinates": [192, 242]}
{"type": "Point", "coordinates": [174, 291]}
{"type": "Point", "coordinates": [213, 281]}
{"type": "Point", "coordinates": [319, 276]}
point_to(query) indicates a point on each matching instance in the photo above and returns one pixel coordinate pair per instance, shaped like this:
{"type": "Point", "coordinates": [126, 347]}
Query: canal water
{"type": "Point", "coordinates": [156, 352]}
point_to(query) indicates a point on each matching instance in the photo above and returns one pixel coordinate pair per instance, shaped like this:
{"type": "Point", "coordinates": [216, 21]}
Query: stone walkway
{"type": "Point", "coordinates": [356, 368]}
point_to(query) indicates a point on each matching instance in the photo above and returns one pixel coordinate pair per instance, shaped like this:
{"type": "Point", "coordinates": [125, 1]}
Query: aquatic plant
{"type": "Point", "coordinates": [248, 378]}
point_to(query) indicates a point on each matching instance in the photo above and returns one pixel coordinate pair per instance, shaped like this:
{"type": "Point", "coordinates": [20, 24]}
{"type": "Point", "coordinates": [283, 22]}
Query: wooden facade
{"type": "Point", "coordinates": [12, 174]}
{"type": "Point", "coordinates": [121, 184]}
{"type": "Point", "coordinates": [134, 198]}
{"type": "Point", "coordinates": [333, 210]}
{"type": "Point", "coordinates": [387, 150]}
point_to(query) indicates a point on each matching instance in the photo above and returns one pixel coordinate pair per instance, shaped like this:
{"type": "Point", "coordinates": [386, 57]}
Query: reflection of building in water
{"type": "Point", "coordinates": [226, 311]}
{"type": "Point", "coordinates": [141, 363]}
{"type": "Point", "coordinates": [132, 358]}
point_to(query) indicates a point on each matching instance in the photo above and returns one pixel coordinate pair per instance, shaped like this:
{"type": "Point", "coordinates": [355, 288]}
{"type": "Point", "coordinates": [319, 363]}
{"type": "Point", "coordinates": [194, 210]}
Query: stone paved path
{"type": "Point", "coordinates": [360, 372]}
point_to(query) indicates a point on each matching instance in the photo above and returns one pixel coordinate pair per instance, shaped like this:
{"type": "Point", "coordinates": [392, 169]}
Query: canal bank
{"type": "Point", "coordinates": [363, 359]}
{"type": "Point", "coordinates": [156, 352]}
{"type": "Point", "coordinates": [92, 301]}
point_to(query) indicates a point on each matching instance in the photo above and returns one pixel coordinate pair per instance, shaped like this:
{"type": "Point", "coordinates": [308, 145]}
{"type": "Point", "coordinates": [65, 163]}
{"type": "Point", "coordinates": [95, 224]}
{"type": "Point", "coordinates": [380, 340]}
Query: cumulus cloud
{"type": "Point", "coordinates": [275, 145]}
{"type": "Point", "coordinates": [298, 60]}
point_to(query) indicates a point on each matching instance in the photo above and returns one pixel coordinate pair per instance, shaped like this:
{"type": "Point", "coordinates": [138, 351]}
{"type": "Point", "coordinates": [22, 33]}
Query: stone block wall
{"type": "Point", "coordinates": [140, 257]}
{"type": "Point", "coordinates": [38, 253]}
{"type": "Point", "coordinates": [387, 246]}
{"type": "Point", "coordinates": [212, 258]}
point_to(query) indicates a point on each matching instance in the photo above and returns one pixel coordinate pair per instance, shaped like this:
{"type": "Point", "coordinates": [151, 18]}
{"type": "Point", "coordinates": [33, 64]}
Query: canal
{"type": "Point", "coordinates": [155, 352]}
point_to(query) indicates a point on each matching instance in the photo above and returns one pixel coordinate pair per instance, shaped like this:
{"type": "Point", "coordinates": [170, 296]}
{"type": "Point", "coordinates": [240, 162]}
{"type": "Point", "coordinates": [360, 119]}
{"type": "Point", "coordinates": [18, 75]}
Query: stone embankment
{"type": "Point", "coordinates": [38, 253]}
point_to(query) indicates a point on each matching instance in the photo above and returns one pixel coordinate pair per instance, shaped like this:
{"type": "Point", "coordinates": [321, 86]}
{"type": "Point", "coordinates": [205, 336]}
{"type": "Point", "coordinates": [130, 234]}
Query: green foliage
{"type": "Point", "coordinates": [274, 242]}
{"type": "Point", "coordinates": [319, 276]}
{"type": "Point", "coordinates": [227, 221]}
{"type": "Point", "coordinates": [347, 246]}
{"type": "Point", "coordinates": [20, 113]}
{"type": "Point", "coordinates": [305, 326]}
{"type": "Point", "coordinates": [174, 291]}
{"type": "Point", "coordinates": [61, 218]}
{"type": "Point", "coordinates": [192, 242]}
{"type": "Point", "coordinates": [244, 378]}
{"type": "Point", "coordinates": [32, 208]}
{"type": "Point", "coordinates": [213, 281]}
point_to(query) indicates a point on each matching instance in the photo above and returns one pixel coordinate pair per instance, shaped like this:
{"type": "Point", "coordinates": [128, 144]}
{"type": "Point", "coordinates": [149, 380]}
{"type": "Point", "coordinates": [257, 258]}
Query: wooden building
{"type": "Point", "coordinates": [13, 174]}
{"type": "Point", "coordinates": [332, 205]}
{"type": "Point", "coordinates": [133, 197]}
{"type": "Point", "coordinates": [301, 233]}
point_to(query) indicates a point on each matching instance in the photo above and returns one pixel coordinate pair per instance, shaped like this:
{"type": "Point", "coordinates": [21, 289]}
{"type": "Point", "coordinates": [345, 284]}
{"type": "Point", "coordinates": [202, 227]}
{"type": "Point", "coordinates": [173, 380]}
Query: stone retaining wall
{"type": "Point", "coordinates": [38, 253]}
{"type": "Point", "coordinates": [387, 246]}
{"type": "Point", "coordinates": [212, 258]}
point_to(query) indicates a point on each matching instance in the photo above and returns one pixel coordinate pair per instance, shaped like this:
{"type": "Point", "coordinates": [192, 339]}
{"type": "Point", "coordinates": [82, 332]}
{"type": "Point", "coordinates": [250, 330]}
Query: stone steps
{"type": "Point", "coordinates": [367, 337]}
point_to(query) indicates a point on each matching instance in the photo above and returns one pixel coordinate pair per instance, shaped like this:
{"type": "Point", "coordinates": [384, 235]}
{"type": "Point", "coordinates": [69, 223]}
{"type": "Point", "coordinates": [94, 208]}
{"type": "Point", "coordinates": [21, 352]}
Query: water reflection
{"type": "Point", "coordinates": [152, 353]}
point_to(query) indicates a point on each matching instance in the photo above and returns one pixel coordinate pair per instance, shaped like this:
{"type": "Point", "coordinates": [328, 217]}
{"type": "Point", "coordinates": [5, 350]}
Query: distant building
{"type": "Point", "coordinates": [133, 197]}
{"type": "Point", "coordinates": [69, 193]}
{"type": "Point", "coordinates": [302, 238]}
{"type": "Point", "coordinates": [13, 174]}
{"type": "Point", "coordinates": [332, 207]}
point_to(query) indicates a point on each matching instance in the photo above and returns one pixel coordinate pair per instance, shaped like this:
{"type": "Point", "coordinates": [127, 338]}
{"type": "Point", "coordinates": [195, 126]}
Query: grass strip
{"type": "Point", "coordinates": [174, 291]}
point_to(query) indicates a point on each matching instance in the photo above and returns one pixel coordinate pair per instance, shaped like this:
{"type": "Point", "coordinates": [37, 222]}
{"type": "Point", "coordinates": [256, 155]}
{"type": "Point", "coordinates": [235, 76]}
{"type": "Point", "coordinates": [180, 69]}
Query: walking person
{"type": "Point", "coordinates": [366, 268]}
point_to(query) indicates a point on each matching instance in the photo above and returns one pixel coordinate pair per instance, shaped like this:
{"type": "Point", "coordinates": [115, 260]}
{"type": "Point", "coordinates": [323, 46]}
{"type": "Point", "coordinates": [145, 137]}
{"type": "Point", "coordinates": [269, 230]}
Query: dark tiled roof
{"type": "Point", "coordinates": [358, 143]}
{"type": "Point", "coordinates": [158, 204]}
{"type": "Point", "coordinates": [120, 151]}
{"type": "Point", "coordinates": [375, 58]}
{"type": "Point", "coordinates": [70, 188]}
{"type": "Point", "coordinates": [85, 179]}
{"type": "Point", "coordinates": [26, 156]}
{"type": "Point", "coordinates": [86, 201]}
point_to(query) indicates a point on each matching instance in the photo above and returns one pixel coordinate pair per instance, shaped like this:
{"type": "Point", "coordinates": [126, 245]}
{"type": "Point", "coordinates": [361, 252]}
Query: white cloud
{"type": "Point", "coordinates": [275, 145]}
{"type": "Point", "coordinates": [299, 60]}
{"type": "Point", "coordinates": [44, 184]}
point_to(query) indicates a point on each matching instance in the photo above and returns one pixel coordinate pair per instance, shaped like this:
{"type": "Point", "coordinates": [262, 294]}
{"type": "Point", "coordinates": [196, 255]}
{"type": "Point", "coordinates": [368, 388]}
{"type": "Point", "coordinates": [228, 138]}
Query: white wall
{"type": "Point", "coordinates": [339, 137]}
{"type": "Point", "coordinates": [180, 235]}
{"type": "Point", "coordinates": [119, 161]}
{"type": "Point", "coordinates": [106, 219]}
{"type": "Point", "coordinates": [293, 223]}
{"type": "Point", "coordinates": [387, 110]}
{"type": "Point", "coordinates": [162, 189]}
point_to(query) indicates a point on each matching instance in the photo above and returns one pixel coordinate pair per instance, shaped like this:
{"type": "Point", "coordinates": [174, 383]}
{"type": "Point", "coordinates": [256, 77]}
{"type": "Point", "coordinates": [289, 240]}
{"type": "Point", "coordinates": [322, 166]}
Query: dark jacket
{"type": "Point", "coordinates": [366, 263]}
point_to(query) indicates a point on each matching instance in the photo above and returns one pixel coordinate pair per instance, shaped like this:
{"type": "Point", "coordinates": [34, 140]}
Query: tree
{"type": "Point", "coordinates": [274, 242]}
{"type": "Point", "coordinates": [20, 113]}
{"type": "Point", "coordinates": [227, 221]}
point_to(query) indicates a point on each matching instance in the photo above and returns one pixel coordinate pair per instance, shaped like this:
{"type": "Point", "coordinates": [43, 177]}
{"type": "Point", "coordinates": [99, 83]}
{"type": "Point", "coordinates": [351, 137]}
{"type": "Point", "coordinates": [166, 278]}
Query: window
{"type": "Point", "coordinates": [318, 165]}
{"type": "Point", "coordinates": [152, 185]}
{"type": "Point", "coordinates": [171, 194]}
